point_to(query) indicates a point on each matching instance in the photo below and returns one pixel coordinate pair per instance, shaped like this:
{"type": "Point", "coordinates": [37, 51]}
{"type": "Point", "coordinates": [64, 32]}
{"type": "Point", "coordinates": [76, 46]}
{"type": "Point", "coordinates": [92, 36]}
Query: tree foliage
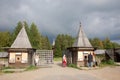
{"type": "Point", "coordinates": [62, 42]}
{"type": "Point", "coordinates": [46, 43]}
{"type": "Point", "coordinates": [37, 40]}
{"type": "Point", "coordinates": [5, 39]}
{"type": "Point", "coordinates": [107, 43]}
{"type": "Point", "coordinates": [16, 31]}
{"type": "Point", "coordinates": [104, 44]}
{"type": "Point", "coordinates": [96, 42]}
{"type": "Point", "coordinates": [35, 37]}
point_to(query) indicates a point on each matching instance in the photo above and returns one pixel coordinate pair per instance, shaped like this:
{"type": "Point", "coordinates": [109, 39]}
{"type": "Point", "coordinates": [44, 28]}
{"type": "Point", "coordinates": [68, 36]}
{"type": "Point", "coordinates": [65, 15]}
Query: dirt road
{"type": "Point", "coordinates": [56, 72]}
{"type": "Point", "coordinates": [108, 73]}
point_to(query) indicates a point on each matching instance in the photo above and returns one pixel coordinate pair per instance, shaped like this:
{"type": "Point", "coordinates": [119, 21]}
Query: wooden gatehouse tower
{"type": "Point", "coordinates": [21, 53]}
{"type": "Point", "coordinates": [80, 49]}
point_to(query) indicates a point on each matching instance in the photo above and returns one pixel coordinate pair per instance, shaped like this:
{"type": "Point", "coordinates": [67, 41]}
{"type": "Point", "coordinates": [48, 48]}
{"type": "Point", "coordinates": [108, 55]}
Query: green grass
{"type": "Point", "coordinates": [73, 66]}
{"type": "Point", "coordinates": [8, 68]}
{"type": "Point", "coordinates": [31, 68]}
{"type": "Point", "coordinates": [107, 63]}
{"type": "Point", "coordinates": [8, 71]}
{"type": "Point", "coordinates": [58, 59]}
{"type": "Point", "coordinates": [0, 72]}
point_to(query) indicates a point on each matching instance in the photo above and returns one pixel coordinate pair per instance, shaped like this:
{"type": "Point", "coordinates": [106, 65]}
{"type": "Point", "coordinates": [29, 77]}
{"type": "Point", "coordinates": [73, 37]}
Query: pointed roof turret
{"type": "Point", "coordinates": [81, 40]}
{"type": "Point", "coordinates": [53, 44]}
{"type": "Point", "coordinates": [22, 40]}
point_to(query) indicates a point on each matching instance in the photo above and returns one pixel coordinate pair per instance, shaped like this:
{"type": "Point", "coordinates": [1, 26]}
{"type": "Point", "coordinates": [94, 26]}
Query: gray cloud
{"type": "Point", "coordinates": [100, 18]}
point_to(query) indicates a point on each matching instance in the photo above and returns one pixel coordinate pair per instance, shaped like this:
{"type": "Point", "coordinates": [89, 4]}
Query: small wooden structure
{"type": "Point", "coordinates": [80, 50]}
{"type": "Point", "coordinates": [3, 56]}
{"type": "Point", "coordinates": [21, 53]}
{"type": "Point", "coordinates": [99, 55]}
{"type": "Point", "coordinates": [3, 59]}
{"type": "Point", "coordinates": [113, 54]}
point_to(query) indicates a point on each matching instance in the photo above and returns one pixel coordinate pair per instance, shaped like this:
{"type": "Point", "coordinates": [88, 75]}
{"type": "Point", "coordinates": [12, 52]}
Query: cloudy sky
{"type": "Point", "coordinates": [99, 18]}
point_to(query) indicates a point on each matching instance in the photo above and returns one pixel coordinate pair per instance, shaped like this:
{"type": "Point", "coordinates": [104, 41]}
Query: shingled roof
{"type": "Point", "coordinates": [21, 40]}
{"type": "Point", "coordinates": [82, 40]}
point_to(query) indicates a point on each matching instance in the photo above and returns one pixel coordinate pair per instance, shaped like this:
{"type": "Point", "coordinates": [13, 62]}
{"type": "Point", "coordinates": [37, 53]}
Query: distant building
{"type": "Point", "coordinates": [100, 51]}
{"type": "Point", "coordinates": [3, 58]}
{"type": "Point", "coordinates": [53, 44]}
{"type": "Point", "coordinates": [3, 55]}
{"type": "Point", "coordinates": [100, 55]}
{"type": "Point", "coordinates": [113, 54]}
{"type": "Point", "coordinates": [80, 49]}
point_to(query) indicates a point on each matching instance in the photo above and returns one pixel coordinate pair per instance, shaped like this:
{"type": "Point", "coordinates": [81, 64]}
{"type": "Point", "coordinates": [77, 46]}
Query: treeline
{"type": "Point", "coordinates": [103, 44]}
{"type": "Point", "coordinates": [64, 41]}
{"type": "Point", "coordinates": [37, 40]}
{"type": "Point", "coordinates": [61, 43]}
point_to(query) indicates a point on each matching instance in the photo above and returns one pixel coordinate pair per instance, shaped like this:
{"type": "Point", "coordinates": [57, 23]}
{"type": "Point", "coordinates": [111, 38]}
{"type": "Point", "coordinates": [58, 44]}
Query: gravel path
{"type": "Point", "coordinates": [56, 72]}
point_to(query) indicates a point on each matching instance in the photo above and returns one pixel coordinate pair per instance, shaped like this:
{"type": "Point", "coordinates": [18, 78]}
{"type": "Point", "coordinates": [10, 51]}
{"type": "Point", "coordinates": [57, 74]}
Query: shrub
{"type": "Point", "coordinates": [108, 62]}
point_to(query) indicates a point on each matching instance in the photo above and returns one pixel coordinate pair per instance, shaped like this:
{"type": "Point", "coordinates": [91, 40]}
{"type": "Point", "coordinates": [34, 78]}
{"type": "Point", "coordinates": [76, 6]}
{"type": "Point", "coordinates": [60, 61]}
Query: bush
{"type": "Point", "coordinates": [108, 62]}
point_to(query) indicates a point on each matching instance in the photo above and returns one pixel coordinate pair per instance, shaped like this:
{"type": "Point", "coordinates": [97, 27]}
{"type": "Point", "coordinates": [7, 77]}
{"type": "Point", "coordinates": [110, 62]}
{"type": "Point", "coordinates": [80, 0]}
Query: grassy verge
{"type": "Point", "coordinates": [73, 66]}
{"type": "Point", "coordinates": [31, 68]}
{"type": "Point", "coordinates": [8, 71]}
{"type": "Point", "coordinates": [108, 63]}
{"type": "Point", "coordinates": [8, 68]}
{"type": "Point", "coordinates": [4, 70]}
{"type": "Point", "coordinates": [58, 59]}
{"type": "Point", "coordinates": [11, 69]}
{"type": "Point", "coordinates": [0, 72]}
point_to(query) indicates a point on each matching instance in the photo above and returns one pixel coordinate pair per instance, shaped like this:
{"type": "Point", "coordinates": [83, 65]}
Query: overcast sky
{"type": "Point", "coordinates": [99, 18]}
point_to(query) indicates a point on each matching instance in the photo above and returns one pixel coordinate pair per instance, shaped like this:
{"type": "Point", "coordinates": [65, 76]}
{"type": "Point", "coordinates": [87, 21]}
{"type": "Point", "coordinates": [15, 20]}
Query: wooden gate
{"type": "Point", "coordinates": [45, 57]}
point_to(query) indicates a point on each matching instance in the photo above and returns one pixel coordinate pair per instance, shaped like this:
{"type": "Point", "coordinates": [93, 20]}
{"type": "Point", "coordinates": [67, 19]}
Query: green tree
{"type": "Point", "coordinates": [115, 45]}
{"type": "Point", "coordinates": [46, 43]}
{"type": "Point", "coordinates": [58, 51]}
{"type": "Point", "coordinates": [35, 37]}
{"type": "Point", "coordinates": [16, 30]}
{"type": "Point", "coordinates": [5, 39]}
{"type": "Point", "coordinates": [62, 42]}
{"type": "Point", "coordinates": [107, 43]}
{"type": "Point", "coordinates": [96, 42]}
{"type": "Point", "coordinates": [27, 28]}
{"type": "Point", "coordinates": [37, 40]}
